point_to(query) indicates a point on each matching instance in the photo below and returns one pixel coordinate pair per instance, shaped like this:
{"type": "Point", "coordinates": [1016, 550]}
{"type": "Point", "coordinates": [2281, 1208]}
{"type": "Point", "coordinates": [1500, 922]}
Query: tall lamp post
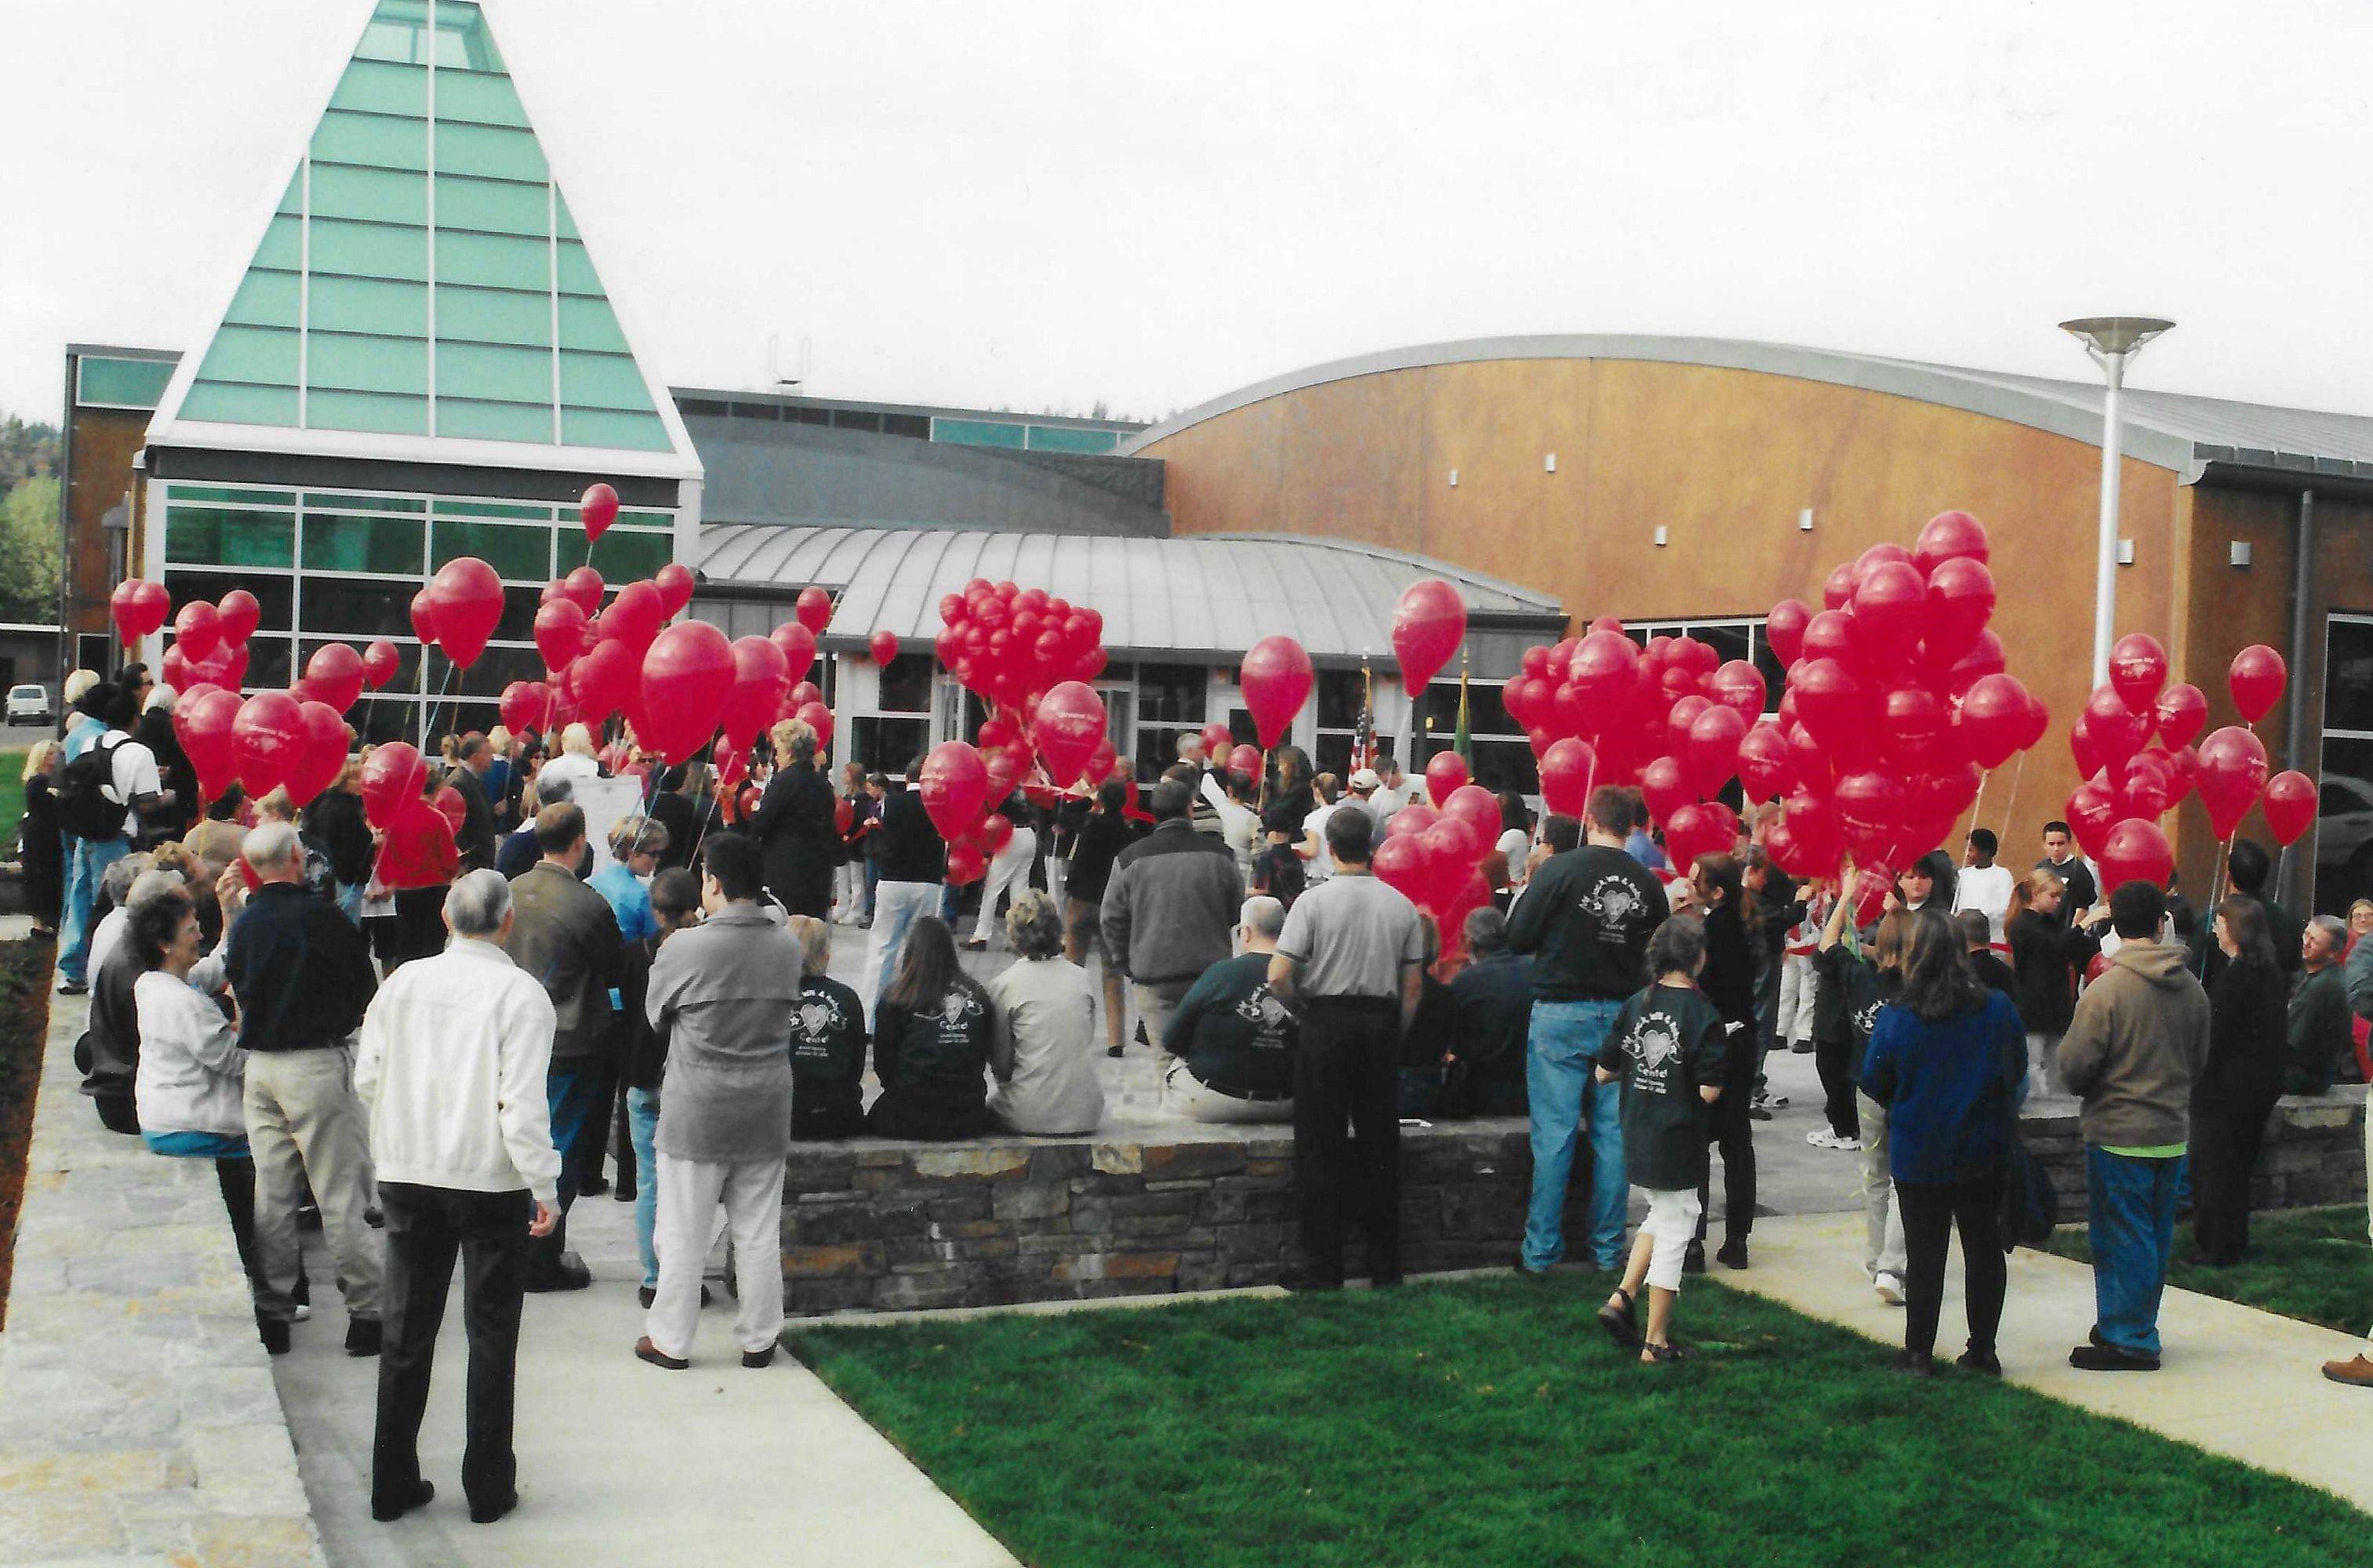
{"type": "Point", "coordinates": [2110, 340]}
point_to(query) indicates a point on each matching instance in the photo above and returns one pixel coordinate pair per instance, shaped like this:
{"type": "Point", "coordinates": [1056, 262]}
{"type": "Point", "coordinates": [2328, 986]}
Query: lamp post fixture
{"type": "Point", "coordinates": [2110, 341]}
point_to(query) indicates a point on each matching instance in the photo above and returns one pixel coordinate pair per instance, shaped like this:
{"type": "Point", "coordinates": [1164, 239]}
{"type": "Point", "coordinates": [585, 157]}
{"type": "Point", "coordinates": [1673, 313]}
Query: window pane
{"type": "Point", "coordinates": [272, 594]}
{"type": "Point", "coordinates": [498, 151]}
{"type": "Point", "coordinates": [180, 493]}
{"type": "Point", "coordinates": [496, 372]}
{"type": "Point", "coordinates": [907, 685]}
{"type": "Point", "coordinates": [589, 324]}
{"type": "Point", "coordinates": [329, 409]}
{"type": "Point", "coordinates": [348, 606]}
{"type": "Point", "coordinates": [1730, 642]}
{"type": "Point", "coordinates": [2344, 838]}
{"type": "Point", "coordinates": [1173, 693]}
{"type": "Point", "coordinates": [366, 250]}
{"type": "Point", "coordinates": [334, 543]}
{"type": "Point", "coordinates": [621, 556]}
{"type": "Point", "coordinates": [205, 537]}
{"type": "Point", "coordinates": [378, 140]}
{"type": "Point", "coordinates": [1439, 707]}
{"type": "Point", "coordinates": [375, 195]}
{"type": "Point", "coordinates": [521, 553]}
{"type": "Point", "coordinates": [332, 501]}
{"type": "Point", "coordinates": [610, 427]}
{"type": "Point", "coordinates": [262, 355]}
{"type": "Point", "coordinates": [489, 100]}
{"type": "Point", "coordinates": [887, 745]}
{"type": "Point", "coordinates": [498, 205]}
{"type": "Point", "coordinates": [1341, 697]}
{"type": "Point", "coordinates": [496, 668]}
{"type": "Point", "coordinates": [382, 87]}
{"type": "Point", "coordinates": [1333, 754]}
{"type": "Point", "coordinates": [2348, 677]}
{"type": "Point", "coordinates": [357, 364]}
{"type": "Point", "coordinates": [264, 299]}
{"type": "Point", "coordinates": [493, 316]}
{"type": "Point", "coordinates": [495, 422]}
{"type": "Point", "coordinates": [494, 259]}
{"type": "Point", "coordinates": [368, 305]}
{"type": "Point", "coordinates": [230, 404]}
{"type": "Point", "coordinates": [601, 380]}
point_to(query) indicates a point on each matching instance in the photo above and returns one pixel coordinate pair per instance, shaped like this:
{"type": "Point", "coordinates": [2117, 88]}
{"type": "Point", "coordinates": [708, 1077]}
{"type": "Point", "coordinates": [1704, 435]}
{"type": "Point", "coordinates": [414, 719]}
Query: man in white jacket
{"type": "Point", "coordinates": [451, 1065]}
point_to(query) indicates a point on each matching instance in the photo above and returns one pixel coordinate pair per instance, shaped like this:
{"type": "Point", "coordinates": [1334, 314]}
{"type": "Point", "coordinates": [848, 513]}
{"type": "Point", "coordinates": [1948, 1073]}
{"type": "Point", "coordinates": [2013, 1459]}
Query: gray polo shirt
{"type": "Point", "coordinates": [1353, 937]}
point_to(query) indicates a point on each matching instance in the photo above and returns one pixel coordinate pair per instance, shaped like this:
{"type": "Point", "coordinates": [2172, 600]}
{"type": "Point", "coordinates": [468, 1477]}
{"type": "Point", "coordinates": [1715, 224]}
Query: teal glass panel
{"type": "Point", "coordinates": [494, 316]}
{"type": "Point", "coordinates": [487, 100]}
{"type": "Point", "coordinates": [660, 520]}
{"type": "Point", "coordinates": [382, 87]}
{"type": "Point", "coordinates": [331, 501]}
{"type": "Point", "coordinates": [451, 508]}
{"type": "Point", "coordinates": [265, 299]}
{"type": "Point", "coordinates": [369, 250]}
{"type": "Point", "coordinates": [564, 223]}
{"type": "Point", "coordinates": [495, 422]}
{"type": "Point", "coordinates": [370, 304]}
{"type": "Point", "coordinates": [236, 494]}
{"type": "Point", "coordinates": [227, 404]}
{"type": "Point", "coordinates": [601, 380]}
{"type": "Point", "coordinates": [264, 355]}
{"type": "Point", "coordinates": [123, 383]}
{"type": "Point", "coordinates": [495, 261]}
{"type": "Point", "coordinates": [380, 196]}
{"type": "Point", "coordinates": [284, 244]}
{"type": "Point", "coordinates": [591, 324]}
{"type": "Point", "coordinates": [397, 31]}
{"type": "Point", "coordinates": [328, 409]}
{"type": "Point", "coordinates": [292, 200]}
{"type": "Point", "coordinates": [496, 152]}
{"type": "Point", "coordinates": [1071, 438]}
{"type": "Point", "coordinates": [577, 275]}
{"type": "Point", "coordinates": [494, 373]}
{"type": "Point", "coordinates": [609, 427]}
{"type": "Point", "coordinates": [366, 365]}
{"type": "Point", "coordinates": [523, 554]}
{"type": "Point", "coordinates": [464, 42]}
{"type": "Point", "coordinates": [495, 204]}
{"type": "Point", "coordinates": [978, 433]}
{"type": "Point", "coordinates": [621, 556]}
{"type": "Point", "coordinates": [367, 544]}
{"type": "Point", "coordinates": [380, 140]}
{"type": "Point", "coordinates": [200, 536]}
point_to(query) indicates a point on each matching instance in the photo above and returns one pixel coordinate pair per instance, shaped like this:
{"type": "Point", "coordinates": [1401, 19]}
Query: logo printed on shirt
{"type": "Point", "coordinates": [1867, 1019]}
{"type": "Point", "coordinates": [1267, 1014]}
{"type": "Point", "coordinates": [1614, 903]}
{"type": "Point", "coordinates": [1653, 1045]}
{"type": "Point", "coordinates": [814, 1022]}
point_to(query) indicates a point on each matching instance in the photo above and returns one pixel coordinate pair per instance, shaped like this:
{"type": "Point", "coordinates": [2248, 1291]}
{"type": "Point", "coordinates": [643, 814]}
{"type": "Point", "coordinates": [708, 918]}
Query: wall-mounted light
{"type": "Point", "coordinates": [2125, 552]}
{"type": "Point", "coordinates": [1548, 463]}
{"type": "Point", "coordinates": [1453, 478]}
{"type": "Point", "coordinates": [1661, 536]}
{"type": "Point", "coordinates": [2239, 552]}
{"type": "Point", "coordinates": [1805, 520]}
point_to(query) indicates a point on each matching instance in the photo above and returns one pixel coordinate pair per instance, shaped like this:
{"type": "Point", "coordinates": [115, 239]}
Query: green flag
{"type": "Point", "coordinates": [1463, 742]}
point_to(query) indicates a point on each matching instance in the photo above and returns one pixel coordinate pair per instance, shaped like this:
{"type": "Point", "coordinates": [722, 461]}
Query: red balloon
{"type": "Point", "coordinates": [394, 774]}
{"type": "Point", "coordinates": [996, 832]}
{"type": "Point", "coordinates": [1891, 603]}
{"type": "Point", "coordinates": [424, 616]}
{"type": "Point", "coordinates": [334, 674]}
{"type": "Point", "coordinates": [2148, 788]}
{"type": "Point", "coordinates": [1276, 677]}
{"type": "Point", "coordinates": [2138, 669]}
{"type": "Point", "coordinates": [2081, 747]}
{"type": "Point", "coordinates": [760, 681]}
{"type": "Point", "coordinates": [1784, 630]}
{"type": "Point", "coordinates": [1764, 771]}
{"type": "Point", "coordinates": [1445, 774]}
{"type": "Point", "coordinates": [1401, 862]}
{"type": "Point", "coordinates": [1831, 635]}
{"type": "Point", "coordinates": [1961, 602]}
{"type": "Point", "coordinates": [197, 631]}
{"type": "Point", "coordinates": [633, 617]}
{"type": "Point", "coordinates": [2232, 775]}
{"type": "Point", "coordinates": [1245, 759]}
{"type": "Point", "coordinates": [1568, 775]}
{"type": "Point", "coordinates": [2182, 709]}
{"type": "Point", "coordinates": [2135, 851]}
{"type": "Point", "coordinates": [1869, 809]}
{"type": "Point", "coordinates": [1915, 722]}
{"type": "Point", "coordinates": [1478, 808]}
{"type": "Point", "coordinates": [1984, 658]}
{"type": "Point", "coordinates": [1666, 787]}
{"type": "Point", "coordinates": [687, 675]}
{"type": "Point", "coordinates": [798, 646]}
{"type": "Point", "coordinates": [1216, 742]}
{"type": "Point", "coordinates": [466, 601]}
{"type": "Point", "coordinates": [882, 645]}
{"type": "Point", "coordinates": [560, 632]}
{"type": "Point", "coordinates": [2117, 731]}
{"type": "Point", "coordinates": [2257, 680]}
{"type": "Point", "coordinates": [604, 680]}
{"type": "Point", "coordinates": [2091, 812]}
{"type": "Point", "coordinates": [1714, 736]}
{"type": "Point", "coordinates": [597, 508]}
{"type": "Point", "coordinates": [138, 606]}
{"type": "Point", "coordinates": [1428, 625]}
{"type": "Point", "coordinates": [1994, 718]}
{"type": "Point", "coordinates": [1836, 590]}
{"type": "Point", "coordinates": [239, 612]}
{"type": "Point", "coordinates": [1832, 702]}
{"type": "Point", "coordinates": [674, 582]}
{"type": "Point", "coordinates": [1414, 818]}
{"type": "Point", "coordinates": [2290, 805]}
{"type": "Point", "coordinates": [322, 757]}
{"type": "Point", "coordinates": [381, 659]}
{"type": "Point", "coordinates": [815, 608]}
{"type": "Point", "coordinates": [1678, 720]}
{"type": "Point", "coordinates": [954, 787]}
{"type": "Point", "coordinates": [803, 693]}
{"type": "Point", "coordinates": [1738, 685]}
{"type": "Point", "coordinates": [1948, 535]}
{"type": "Point", "coordinates": [267, 738]}
{"type": "Point", "coordinates": [523, 706]}
{"type": "Point", "coordinates": [1068, 729]}
{"type": "Point", "coordinates": [583, 586]}
{"type": "Point", "coordinates": [203, 721]}
{"type": "Point", "coordinates": [966, 865]}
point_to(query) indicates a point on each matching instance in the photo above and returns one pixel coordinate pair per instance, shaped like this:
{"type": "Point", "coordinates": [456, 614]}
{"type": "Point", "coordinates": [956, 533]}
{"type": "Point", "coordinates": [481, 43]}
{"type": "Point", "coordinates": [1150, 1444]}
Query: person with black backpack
{"type": "Point", "coordinates": [108, 782]}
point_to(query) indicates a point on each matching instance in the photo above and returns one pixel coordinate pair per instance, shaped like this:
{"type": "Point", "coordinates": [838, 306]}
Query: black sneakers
{"type": "Point", "coordinates": [363, 1336]}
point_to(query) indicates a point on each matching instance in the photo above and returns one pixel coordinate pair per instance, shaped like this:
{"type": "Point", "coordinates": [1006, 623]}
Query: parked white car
{"type": "Point", "coordinates": [29, 704]}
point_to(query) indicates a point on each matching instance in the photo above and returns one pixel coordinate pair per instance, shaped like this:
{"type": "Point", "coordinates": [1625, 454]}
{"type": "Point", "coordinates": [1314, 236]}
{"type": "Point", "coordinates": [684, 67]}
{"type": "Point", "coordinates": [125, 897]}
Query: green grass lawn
{"type": "Point", "coordinates": [1484, 1422]}
{"type": "Point", "coordinates": [12, 793]}
{"type": "Point", "coordinates": [2313, 1264]}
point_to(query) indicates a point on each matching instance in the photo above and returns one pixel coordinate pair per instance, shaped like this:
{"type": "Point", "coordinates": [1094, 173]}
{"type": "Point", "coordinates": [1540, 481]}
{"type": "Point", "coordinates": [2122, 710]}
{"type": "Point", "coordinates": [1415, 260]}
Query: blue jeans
{"type": "Point", "coordinates": [87, 861]}
{"type": "Point", "coordinates": [2129, 1206]}
{"type": "Point", "coordinates": [1564, 1091]}
{"type": "Point", "coordinates": [642, 1126]}
{"type": "Point", "coordinates": [568, 1092]}
{"type": "Point", "coordinates": [895, 905]}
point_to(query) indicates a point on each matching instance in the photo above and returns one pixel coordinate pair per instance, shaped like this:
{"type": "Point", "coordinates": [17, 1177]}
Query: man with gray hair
{"type": "Point", "coordinates": [2318, 1035]}
{"type": "Point", "coordinates": [302, 974]}
{"type": "Point", "coordinates": [475, 838]}
{"type": "Point", "coordinates": [1228, 1055]}
{"type": "Point", "coordinates": [452, 1064]}
{"type": "Point", "coordinates": [1168, 909]}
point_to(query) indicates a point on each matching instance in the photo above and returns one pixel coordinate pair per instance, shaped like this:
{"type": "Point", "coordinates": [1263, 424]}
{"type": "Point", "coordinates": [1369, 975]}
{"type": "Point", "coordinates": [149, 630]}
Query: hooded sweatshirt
{"type": "Point", "coordinates": [2137, 1042]}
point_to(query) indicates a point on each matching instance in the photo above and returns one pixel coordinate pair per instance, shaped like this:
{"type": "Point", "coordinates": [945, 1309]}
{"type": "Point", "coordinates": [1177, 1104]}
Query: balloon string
{"type": "Point", "coordinates": [2010, 815]}
{"type": "Point", "coordinates": [429, 729]}
{"type": "Point", "coordinates": [1985, 776]}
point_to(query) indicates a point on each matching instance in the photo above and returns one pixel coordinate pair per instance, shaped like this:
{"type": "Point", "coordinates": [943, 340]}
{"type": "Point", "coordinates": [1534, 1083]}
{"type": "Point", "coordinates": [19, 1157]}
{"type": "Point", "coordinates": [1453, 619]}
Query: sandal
{"type": "Point", "coordinates": [1664, 1355]}
{"type": "Point", "coordinates": [1622, 1323]}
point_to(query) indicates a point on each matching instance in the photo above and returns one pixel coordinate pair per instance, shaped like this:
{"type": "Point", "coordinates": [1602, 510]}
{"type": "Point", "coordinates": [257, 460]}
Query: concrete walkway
{"type": "Point", "coordinates": [619, 1462]}
{"type": "Point", "coordinates": [2236, 1381]}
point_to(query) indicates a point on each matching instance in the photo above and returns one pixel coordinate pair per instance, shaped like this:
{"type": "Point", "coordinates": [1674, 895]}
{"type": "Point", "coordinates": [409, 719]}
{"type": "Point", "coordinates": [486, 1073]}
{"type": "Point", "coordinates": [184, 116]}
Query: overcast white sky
{"type": "Point", "coordinates": [1041, 205]}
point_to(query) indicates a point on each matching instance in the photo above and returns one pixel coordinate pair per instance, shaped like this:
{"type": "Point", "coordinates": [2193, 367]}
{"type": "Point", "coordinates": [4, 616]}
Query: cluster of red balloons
{"type": "Point", "coordinates": [210, 642]}
{"type": "Point", "coordinates": [139, 607]}
{"type": "Point", "coordinates": [1435, 855]}
{"type": "Point", "coordinates": [1005, 641]}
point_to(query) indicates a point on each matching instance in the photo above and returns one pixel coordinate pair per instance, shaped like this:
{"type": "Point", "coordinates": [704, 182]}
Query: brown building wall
{"type": "Point", "coordinates": [99, 476]}
{"type": "Point", "coordinates": [1724, 460]}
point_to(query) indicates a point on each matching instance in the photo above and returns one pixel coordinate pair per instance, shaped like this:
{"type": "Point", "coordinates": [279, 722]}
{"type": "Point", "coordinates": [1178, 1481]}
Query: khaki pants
{"type": "Point", "coordinates": [1182, 1094]}
{"type": "Point", "coordinates": [1882, 1251]}
{"type": "Point", "coordinates": [304, 1125]}
{"type": "Point", "coordinates": [690, 1191]}
{"type": "Point", "coordinates": [1156, 1005]}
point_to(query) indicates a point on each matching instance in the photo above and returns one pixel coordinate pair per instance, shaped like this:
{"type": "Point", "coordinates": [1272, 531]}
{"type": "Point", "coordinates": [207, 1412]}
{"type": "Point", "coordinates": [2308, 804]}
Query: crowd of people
{"type": "Point", "coordinates": [442, 1030]}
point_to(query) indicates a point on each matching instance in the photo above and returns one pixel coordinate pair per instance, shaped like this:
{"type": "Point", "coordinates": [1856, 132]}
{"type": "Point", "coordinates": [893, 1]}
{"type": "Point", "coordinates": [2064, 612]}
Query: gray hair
{"type": "Point", "coordinates": [273, 843]}
{"type": "Point", "coordinates": [149, 884]}
{"type": "Point", "coordinates": [2334, 929]}
{"type": "Point", "coordinates": [1034, 926]}
{"type": "Point", "coordinates": [161, 699]}
{"type": "Point", "coordinates": [1487, 931]}
{"type": "Point", "coordinates": [476, 904]}
{"type": "Point", "coordinates": [1262, 915]}
{"type": "Point", "coordinates": [116, 881]}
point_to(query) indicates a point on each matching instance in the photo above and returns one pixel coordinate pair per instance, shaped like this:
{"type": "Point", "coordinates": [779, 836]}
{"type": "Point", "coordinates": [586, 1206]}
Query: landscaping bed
{"type": "Point", "coordinates": [2313, 1264]}
{"type": "Point", "coordinates": [24, 1029]}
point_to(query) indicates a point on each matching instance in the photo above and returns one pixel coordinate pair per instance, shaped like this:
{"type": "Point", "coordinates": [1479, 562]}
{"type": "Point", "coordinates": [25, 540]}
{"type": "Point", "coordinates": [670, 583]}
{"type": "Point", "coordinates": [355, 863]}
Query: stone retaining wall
{"type": "Point", "coordinates": [2314, 1153]}
{"type": "Point", "coordinates": [138, 1419]}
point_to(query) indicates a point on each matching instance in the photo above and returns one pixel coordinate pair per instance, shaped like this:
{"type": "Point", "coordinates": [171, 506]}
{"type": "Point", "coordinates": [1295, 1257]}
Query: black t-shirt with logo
{"type": "Point", "coordinates": [1585, 917]}
{"type": "Point", "coordinates": [1232, 1031]}
{"type": "Point", "coordinates": [827, 1046]}
{"type": "Point", "coordinates": [1666, 1045]}
{"type": "Point", "coordinates": [939, 1056]}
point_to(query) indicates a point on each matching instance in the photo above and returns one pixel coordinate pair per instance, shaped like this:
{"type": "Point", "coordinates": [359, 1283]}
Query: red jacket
{"type": "Point", "coordinates": [418, 851]}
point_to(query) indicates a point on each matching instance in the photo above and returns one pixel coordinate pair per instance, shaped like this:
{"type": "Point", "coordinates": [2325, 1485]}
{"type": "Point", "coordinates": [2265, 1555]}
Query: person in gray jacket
{"type": "Point", "coordinates": [721, 995]}
{"type": "Point", "coordinates": [1170, 909]}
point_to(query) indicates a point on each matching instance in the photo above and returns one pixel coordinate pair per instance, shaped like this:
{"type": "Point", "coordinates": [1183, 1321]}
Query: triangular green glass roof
{"type": "Point", "coordinates": [422, 275]}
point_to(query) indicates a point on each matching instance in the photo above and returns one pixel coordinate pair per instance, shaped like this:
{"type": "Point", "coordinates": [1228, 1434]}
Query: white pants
{"type": "Point", "coordinates": [1182, 1094]}
{"type": "Point", "coordinates": [1797, 980]}
{"type": "Point", "coordinates": [690, 1190]}
{"type": "Point", "coordinates": [1008, 871]}
{"type": "Point", "coordinates": [1882, 1251]}
{"type": "Point", "coordinates": [895, 905]}
{"type": "Point", "coordinates": [1671, 1222]}
{"type": "Point", "coordinates": [2042, 1050]}
{"type": "Point", "coordinates": [849, 891]}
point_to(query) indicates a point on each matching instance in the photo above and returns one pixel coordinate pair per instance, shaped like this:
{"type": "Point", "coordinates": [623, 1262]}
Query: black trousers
{"type": "Point", "coordinates": [2226, 1138]}
{"type": "Point", "coordinates": [593, 1136]}
{"type": "Point", "coordinates": [1833, 1059]}
{"type": "Point", "coordinates": [236, 1179]}
{"type": "Point", "coordinates": [1930, 1213]}
{"type": "Point", "coordinates": [426, 1227]}
{"type": "Point", "coordinates": [416, 929]}
{"type": "Point", "coordinates": [1732, 1133]}
{"type": "Point", "coordinates": [1345, 1075]}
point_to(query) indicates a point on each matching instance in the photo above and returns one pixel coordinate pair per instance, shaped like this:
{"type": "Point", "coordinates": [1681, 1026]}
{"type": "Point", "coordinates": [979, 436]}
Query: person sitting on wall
{"type": "Point", "coordinates": [1229, 1050]}
{"type": "Point", "coordinates": [828, 1043]}
{"type": "Point", "coordinates": [1491, 1003]}
{"type": "Point", "coordinates": [1045, 1015]}
{"type": "Point", "coordinates": [932, 1034]}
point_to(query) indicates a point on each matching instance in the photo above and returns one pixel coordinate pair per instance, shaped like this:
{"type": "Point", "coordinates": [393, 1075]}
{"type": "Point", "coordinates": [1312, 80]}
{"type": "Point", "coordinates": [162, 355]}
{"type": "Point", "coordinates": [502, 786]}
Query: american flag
{"type": "Point", "coordinates": [1363, 728]}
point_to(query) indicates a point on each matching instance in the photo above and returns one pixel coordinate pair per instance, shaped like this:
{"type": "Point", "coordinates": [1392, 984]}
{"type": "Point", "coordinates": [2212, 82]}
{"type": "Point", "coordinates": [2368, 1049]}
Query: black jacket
{"type": "Point", "coordinates": [2046, 957]}
{"type": "Point", "coordinates": [912, 850]}
{"type": "Point", "coordinates": [2319, 1033]}
{"type": "Point", "coordinates": [2249, 1031]}
{"type": "Point", "coordinates": [1586, 915]}
{"type": "Point", "coordinates": [674, 811]}
{"type": "Point", "coordinates": [301, 969]}
{"type": "Point", "coordinates": [335, 819]}
{"type": "Point", "coordinates": [1097, 844]}
{"type": "Point", "coordinates": [1495, 1016]}
{"type": "Point", "coordinates": [475, 839]}
{"type": "Point", "coordinates": [796, 839]}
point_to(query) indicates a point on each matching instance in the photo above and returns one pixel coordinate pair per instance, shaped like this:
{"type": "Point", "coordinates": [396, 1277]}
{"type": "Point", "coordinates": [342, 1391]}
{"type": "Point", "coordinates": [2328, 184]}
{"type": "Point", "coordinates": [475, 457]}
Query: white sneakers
{"type": "Point", "coordinates": [1891, 1289]}
{"type": "Point", "coordinates": [1822, 1138]}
